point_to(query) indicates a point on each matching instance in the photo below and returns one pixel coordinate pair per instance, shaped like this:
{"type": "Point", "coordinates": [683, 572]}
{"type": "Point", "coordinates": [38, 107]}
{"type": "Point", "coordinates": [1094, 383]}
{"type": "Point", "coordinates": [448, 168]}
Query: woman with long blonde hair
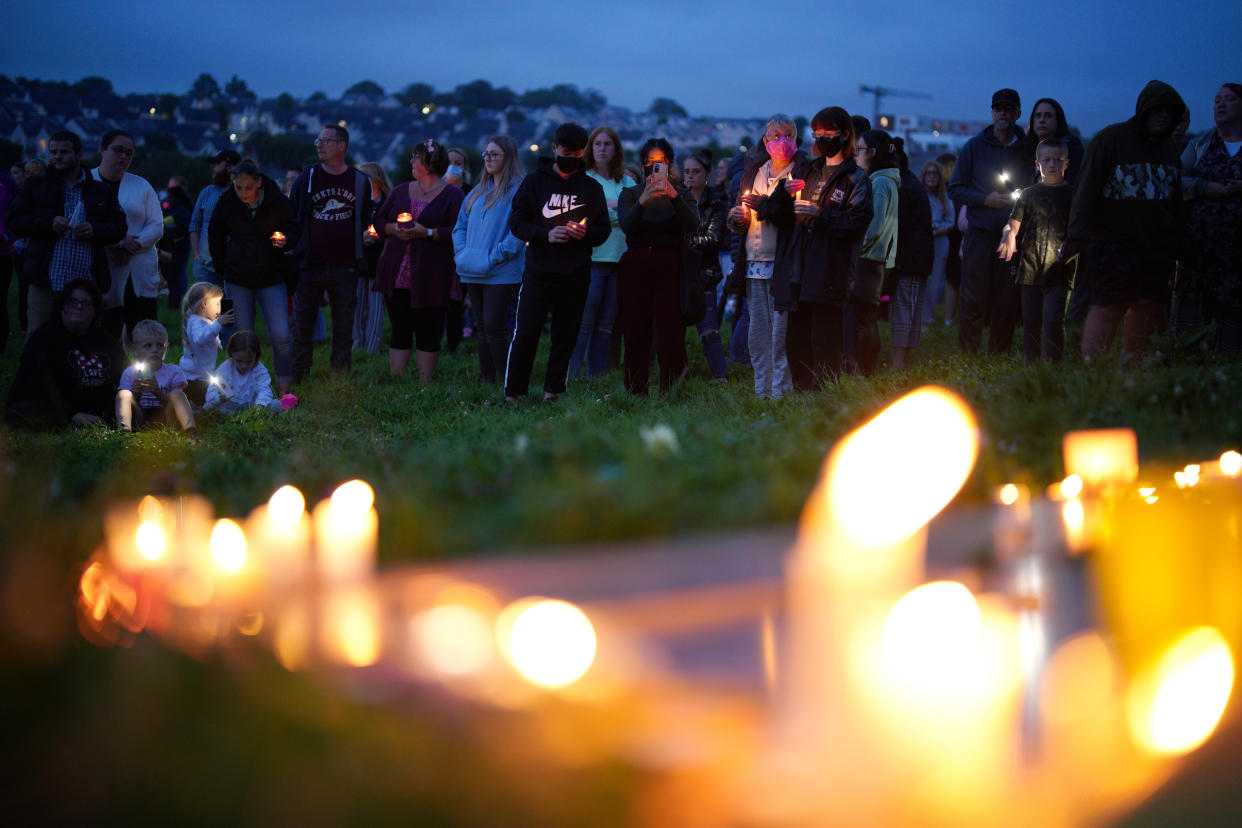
{"type": "Point", "coordinates": [369, 311]}
{"type": "Point", "coordinates": [488, 256]}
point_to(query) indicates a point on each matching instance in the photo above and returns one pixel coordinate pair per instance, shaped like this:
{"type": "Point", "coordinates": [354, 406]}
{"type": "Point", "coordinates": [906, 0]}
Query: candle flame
{"type": "Point", "coordinates": [933, 633]}
{"type": "Point", "coordinates": [1231, 463]}
{"type": "Point", "coordinates": [1009, 494]}
{"type": "Point", "coordinates": [1071, 486]}
{"type": "Point", "coordinates": [286, 506]}
{"type": "Point", "coordinates": [455, 639]}
{"type": "Point", "coordinates": [894, 474]}
{"type": "Point", "coordinates": [150, 541]}
{"type": "Point", "coordinates": [353, 498]}
{"type": "Point", "coordinates": [550, 643]}
{"type": "Point", "coordinates": [228, 545]}
{"type": "Point", "coordinates": [1176, 705]}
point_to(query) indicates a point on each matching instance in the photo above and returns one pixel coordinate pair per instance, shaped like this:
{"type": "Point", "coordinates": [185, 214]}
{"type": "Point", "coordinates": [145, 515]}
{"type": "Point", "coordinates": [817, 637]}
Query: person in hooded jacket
{"type": "Point", "coordinates": [989, 168]}
{"type": "Point", "coordinates": [250, 229]}
{"type": "Point", "coordinates": [874, 152]}
{"type": "Point", "coordinates": [561, 213]}
{"type": "Point", "coordinates": [1127, 217]}
{"type": "Point", "coordinates": [822, 225]}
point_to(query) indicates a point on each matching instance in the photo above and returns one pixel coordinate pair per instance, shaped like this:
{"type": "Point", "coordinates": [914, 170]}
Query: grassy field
{"type": "Point", "coordinates": [102, 735]}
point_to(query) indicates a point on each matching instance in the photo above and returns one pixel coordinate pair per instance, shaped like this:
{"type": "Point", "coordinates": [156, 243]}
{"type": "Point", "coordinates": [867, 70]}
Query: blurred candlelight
{"type": "Point", "coordinates": [346, 527]}
{"type": "Point", "coordinates": [1174, 707]}
{"type": "Point", "coordinates": [278, 236]}
{"type": "Point", "coordinates": [550, 643]}
{"type": "Point", "coordinates": [1071, 487]}
{"type": "Point", "coordinates": [1101, 456]}
{"type": "Point", "coordinates": [351, 627]}
{"type": "Point", "coordinates": [279, 534]}
{"type": "Point", "coordinates": [1009, 494]}
{"type": "Point", "coordinates": [228, 546]}
{"type": "Point", "coordinates": [453, 639]}
{"type": "Point", "coordinates": [1231, 463]}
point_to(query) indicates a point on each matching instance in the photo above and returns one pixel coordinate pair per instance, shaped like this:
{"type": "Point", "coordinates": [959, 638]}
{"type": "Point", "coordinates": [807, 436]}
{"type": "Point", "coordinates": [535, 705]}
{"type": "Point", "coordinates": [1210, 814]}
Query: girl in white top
{"type": "Point", "coordinates": [134, 261]}
{"type": "Point", "coordinates": [201, 323]}
{"type": "Point", "coordinates": [242, 381]}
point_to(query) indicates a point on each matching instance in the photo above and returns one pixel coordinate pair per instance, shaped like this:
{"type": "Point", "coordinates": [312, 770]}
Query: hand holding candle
{"type": "Point", "coordinates": [405, 220]}
{"type": "Point", "coordinates": [577, 229]}
{"type": "Point", "coordinates": [278, 239]}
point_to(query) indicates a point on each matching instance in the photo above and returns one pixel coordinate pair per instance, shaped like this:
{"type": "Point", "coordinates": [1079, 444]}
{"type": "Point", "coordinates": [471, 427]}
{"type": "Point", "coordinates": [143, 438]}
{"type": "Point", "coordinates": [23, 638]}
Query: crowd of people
{"type": "Point", "coordinates": [804, 249]}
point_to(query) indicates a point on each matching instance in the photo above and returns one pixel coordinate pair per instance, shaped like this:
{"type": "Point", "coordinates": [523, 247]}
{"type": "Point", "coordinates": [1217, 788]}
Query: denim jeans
{"type": "Point", "coordinates": [598, 318]}
{"type": "Point", "coordinates": [739, 340]}
{"type": "Point", "coordinates": [709, 334]}
{"type": "Point", "coordinates": [206, 273]}
{"type": "Point", "coordinates": [341, 283]}
{"type": "Point", "coordinates": [767, 342]}
{"type": "Point", "coordinates": [368, 318]}
{"type": "Point", "coordinates": [272, 301]}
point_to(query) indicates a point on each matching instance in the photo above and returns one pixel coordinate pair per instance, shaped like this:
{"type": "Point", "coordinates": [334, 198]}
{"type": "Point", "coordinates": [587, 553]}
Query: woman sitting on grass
{"type": "Point", "coordinates": [69, 368]}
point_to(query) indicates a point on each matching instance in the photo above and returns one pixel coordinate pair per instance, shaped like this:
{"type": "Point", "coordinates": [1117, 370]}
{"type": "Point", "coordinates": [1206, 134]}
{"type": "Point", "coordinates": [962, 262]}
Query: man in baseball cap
{"type": "Point", "coordinates": [222, 164]}
{"type": "Point", "coordinates": [990, 167]}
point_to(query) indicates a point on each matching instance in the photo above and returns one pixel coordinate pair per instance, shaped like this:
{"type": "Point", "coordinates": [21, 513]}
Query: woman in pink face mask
{"type": "Point", "coordinates": [755, 255]}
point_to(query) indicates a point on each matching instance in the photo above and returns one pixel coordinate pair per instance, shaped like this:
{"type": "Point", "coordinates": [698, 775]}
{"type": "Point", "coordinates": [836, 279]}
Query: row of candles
{"type": "Point", "coordinates": [892, 700]}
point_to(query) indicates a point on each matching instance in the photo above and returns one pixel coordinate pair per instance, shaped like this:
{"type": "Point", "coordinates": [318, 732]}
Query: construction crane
{"type": "Point", "coordinates": [881, 92]}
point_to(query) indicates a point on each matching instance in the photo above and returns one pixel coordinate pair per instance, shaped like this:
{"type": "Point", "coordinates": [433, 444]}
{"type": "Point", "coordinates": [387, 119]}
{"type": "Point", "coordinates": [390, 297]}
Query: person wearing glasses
{"type": "Point", "coordinates": [70, 367]}
{"type": "Point", "coordinates": [333, 207]}
{"type": "Point", "coordinates": [135, 264]}
{"type": "Point", "coordinates": [489, 257]}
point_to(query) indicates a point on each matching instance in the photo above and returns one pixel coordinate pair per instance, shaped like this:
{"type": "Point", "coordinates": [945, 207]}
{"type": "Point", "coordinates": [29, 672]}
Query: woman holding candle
{"type": "Point", "coordinates": [135, 264]}
{"type": "Point", "coordinates": [488, 256]}
{"type": "Point", "coordinates": [658, 220]}
{"type": "Point", "coordinates": [369, 311]}
{"type": "Point", "coordinates": [822, 214]}
{"type": "Point", "coordinates": [416, 272]}
{"type": "Point", "coordinates": [1209, 287]}
{"type": "Point", "coordinates": [252, 226]}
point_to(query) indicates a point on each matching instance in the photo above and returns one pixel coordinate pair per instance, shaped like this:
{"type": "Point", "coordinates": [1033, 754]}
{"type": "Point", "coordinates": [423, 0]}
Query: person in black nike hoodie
{"type": "Point", "coordinates": [561, 214]}
{"type": "Point", "coordinates": [1127, 217]}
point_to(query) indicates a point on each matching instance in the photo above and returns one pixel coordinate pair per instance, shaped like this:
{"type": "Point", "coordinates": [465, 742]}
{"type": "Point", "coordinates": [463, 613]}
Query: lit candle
{"type": "Point", "coordinates": [278, 236]}
{"type": "Point", "coordinates": [345, 533]}
{"type": "Point", "coordinates": [404, 219]}
{"type": "Point", "coordinates": [1101, 456]}
{"type": "Point", "coordinates": [279, 534]}
{"type": "Point", "coordinates": [371, 234]}
{"type": "Point", "coordinates": [351, 626]}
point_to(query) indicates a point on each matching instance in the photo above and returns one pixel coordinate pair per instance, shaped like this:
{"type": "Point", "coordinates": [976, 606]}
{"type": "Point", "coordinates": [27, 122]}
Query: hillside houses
{"type": "Point", "coordinates": [381, 128]}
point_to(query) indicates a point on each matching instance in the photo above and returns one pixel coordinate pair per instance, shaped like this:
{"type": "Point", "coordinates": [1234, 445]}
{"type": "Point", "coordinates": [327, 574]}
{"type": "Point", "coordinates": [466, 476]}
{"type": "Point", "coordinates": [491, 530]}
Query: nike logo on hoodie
{"type": "Point", "coordinates": [559, 203]}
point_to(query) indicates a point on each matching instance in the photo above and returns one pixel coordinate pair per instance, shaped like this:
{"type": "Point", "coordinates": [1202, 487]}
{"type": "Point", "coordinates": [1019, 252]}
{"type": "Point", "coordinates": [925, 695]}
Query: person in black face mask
{"type": "Point", "coordinates": [560, 212]}
{"type": "Point", "coordinates": [822, 213]}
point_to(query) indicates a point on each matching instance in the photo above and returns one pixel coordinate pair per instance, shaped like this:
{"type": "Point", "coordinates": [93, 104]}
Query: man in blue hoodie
{"type": "Point", "coordinates": [561, 214]}
{"type": "Point", "coordinates": [990, 167]}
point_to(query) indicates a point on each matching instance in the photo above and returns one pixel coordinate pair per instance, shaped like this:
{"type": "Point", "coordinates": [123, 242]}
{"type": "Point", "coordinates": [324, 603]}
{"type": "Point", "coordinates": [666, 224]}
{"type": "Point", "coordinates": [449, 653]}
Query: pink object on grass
{"type": "Point", "coordinates": [288, 401]}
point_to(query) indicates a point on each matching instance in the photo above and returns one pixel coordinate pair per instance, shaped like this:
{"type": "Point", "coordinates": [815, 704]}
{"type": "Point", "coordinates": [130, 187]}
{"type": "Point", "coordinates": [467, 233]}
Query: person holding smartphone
{"type": "Point", "coordinates": [659, 221]}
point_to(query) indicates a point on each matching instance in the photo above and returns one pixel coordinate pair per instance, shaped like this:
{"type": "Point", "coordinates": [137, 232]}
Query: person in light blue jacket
{"type": "Point", "coordinates": [489, 258]}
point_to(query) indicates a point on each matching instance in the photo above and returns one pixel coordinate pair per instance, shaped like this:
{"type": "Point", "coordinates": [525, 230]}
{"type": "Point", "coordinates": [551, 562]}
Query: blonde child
{"type": "Point", "coordinates": [242, 381]}
{"type": "Point", "coordinates": [201, 324]}
{"type": "Point", "coordinates": [151, 391]}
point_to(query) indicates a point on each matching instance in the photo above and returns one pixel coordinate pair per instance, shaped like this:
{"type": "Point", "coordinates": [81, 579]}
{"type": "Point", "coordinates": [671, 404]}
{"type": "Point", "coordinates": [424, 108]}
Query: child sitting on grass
{"type": "Point", "coordinates": [1037, 227]}
{"type": "Point", "coordinates": [150, 391]}
{"type": "Point", "coordinates": [201, 324]}
{"type": "Point", "coordinates": [242, 381]}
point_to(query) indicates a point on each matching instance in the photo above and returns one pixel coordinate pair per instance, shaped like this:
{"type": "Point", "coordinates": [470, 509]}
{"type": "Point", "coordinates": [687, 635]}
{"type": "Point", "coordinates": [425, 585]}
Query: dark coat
{"type": "Point", "coordinates": [682, 222]}
{"type": "Point", "coordinates": [713, 211]}
{"type": "Point", "coordinates": [432, 269]}
{"type": "Point", "coordinates": [61, 374]}
{"type": "Point", "coordinates": [916, 246]}
{"type": "Point", "coordinates": [815, 258]}
{"type": "Point", "coordinates": [240, 239]}
{"type": "Point", "coordinates": [40, 200]}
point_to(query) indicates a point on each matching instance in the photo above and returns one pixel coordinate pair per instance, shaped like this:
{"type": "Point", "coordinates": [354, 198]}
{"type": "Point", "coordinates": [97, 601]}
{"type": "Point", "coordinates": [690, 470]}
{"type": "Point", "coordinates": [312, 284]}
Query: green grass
{"type": "Point", "coordinates": [106, 735]}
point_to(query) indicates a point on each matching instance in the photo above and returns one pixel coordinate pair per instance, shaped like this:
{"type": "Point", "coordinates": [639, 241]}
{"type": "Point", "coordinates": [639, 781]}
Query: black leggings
{"type": "Point", "coordinates": [135, 309]}
{"type": "Point", "coordinates": [424, 326]}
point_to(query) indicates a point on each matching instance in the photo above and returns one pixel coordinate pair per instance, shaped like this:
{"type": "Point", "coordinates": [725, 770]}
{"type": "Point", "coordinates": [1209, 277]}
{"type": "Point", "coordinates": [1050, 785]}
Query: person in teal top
{"type": "Point", "coordinates": [605, 163]}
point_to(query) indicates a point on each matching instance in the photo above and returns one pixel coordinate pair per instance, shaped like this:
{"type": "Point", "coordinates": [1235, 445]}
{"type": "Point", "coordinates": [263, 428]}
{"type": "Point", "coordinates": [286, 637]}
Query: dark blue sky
{"type": "Point", "coordinates": [1093, 56]}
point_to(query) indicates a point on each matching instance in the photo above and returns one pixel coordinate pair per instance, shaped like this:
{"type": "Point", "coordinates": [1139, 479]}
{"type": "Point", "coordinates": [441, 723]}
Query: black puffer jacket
{"type": "Point", "coordinates": [916, 246]}
{"type": "Point", "coordinates": [815, 256]}
{"type": "Point", "coordinates": [240, 238]}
